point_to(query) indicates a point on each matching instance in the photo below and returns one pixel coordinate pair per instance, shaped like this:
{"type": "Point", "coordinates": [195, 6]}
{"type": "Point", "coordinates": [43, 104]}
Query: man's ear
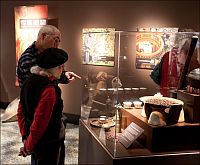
{"type": "Point", "coordinates": [43, 35]}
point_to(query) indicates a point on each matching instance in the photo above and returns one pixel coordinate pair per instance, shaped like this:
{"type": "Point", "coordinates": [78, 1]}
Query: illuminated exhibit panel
{"type": "Point", "coordinates": [151, 44]}
{"type": "Point", "coordinates": [98, 46]}
{"type": "Point", "coordinates": [28, 21]}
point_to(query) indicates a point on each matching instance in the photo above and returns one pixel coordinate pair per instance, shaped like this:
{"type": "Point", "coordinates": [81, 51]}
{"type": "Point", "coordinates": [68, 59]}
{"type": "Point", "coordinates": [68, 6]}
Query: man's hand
{"type": "Point", "coordinates": [71, 76]}
{"type": "Point", "coordinates": [23, 152]}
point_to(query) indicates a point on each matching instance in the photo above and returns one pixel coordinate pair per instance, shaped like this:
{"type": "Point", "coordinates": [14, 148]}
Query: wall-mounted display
{"type": "Point", "coordinates": [28, 20]}
{"type": "Point", "coordinates": [151, 44]}
{"type": "Point", "coordinates": [98, 46]}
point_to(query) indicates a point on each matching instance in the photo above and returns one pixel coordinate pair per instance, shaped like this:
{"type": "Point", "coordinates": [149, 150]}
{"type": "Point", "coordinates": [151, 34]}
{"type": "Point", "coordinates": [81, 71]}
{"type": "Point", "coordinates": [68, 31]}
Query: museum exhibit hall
{"type": "Point", "coordinates": [135, 97]}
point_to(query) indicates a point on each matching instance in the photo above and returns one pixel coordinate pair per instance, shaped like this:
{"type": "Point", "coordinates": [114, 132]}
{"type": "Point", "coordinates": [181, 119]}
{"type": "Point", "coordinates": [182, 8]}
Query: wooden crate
{"type": "Point", "coordinates": [191, 106]}
{"type": "Point", "coordinates": [180, 136]}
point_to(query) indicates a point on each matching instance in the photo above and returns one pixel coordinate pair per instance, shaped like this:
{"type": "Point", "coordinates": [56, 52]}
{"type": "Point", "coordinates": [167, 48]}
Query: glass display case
{"type": "Point", "coordinates": [131, 107]}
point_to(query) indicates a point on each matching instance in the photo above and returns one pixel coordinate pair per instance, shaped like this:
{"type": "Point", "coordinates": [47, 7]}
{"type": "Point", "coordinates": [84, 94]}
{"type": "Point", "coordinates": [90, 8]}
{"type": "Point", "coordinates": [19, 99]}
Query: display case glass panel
{"type": "Point", "coordinates": [113, 98]}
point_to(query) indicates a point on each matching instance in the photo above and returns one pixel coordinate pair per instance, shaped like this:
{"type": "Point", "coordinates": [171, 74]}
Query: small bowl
{"type": "Point", "coordinates": [102, 120]}
{"type": "Point", "coordinates": [137, 104]}
{"type": "Point", "coordinates": [127, 104]}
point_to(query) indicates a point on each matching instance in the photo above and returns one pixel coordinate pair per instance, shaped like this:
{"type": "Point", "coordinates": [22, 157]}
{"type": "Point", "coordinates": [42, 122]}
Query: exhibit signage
{"type": "Point", "coordinates": [130, 134]}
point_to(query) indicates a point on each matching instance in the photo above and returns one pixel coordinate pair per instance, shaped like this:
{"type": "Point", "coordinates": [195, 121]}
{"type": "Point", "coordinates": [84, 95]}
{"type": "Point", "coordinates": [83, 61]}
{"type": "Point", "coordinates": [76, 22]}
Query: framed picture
{"type": "Point", "coordinates": [98, 46]}
{"type": "Point", "coordinates": [152, 44]}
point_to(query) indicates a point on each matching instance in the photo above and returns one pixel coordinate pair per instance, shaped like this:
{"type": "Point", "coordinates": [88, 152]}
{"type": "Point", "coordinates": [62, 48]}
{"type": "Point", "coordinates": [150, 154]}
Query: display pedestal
{"type": "Point", "coordinates": [96, 150]}
{"type": "Point", "coordinates": [180, 136]}
{"type": "Point", "coordinates": [191, 106]}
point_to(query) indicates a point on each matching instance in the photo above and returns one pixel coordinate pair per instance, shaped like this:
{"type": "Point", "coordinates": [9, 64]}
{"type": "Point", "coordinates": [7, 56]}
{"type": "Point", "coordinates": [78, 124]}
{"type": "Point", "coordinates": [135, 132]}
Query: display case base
{"type": "Point", "coordinates": [92, 150]}
{"type": "Point", "coordinates": [180, 136]}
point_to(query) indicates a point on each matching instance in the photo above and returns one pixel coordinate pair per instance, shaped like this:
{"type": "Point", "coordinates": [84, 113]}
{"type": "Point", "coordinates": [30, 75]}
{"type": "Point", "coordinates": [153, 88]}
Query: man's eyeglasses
{"type": "Point", "coordinates": [56, 38]}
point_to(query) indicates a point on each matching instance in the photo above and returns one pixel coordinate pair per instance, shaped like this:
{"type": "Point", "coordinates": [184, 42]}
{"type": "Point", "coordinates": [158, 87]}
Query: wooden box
{"type": "Point", "coordinates": [191, 106]}
{"type": "Point", "coordinates": [180, 136]}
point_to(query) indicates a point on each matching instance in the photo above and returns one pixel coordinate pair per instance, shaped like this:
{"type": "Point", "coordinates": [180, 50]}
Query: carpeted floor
{"type": "Point", "coordinates": [11, 143]}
